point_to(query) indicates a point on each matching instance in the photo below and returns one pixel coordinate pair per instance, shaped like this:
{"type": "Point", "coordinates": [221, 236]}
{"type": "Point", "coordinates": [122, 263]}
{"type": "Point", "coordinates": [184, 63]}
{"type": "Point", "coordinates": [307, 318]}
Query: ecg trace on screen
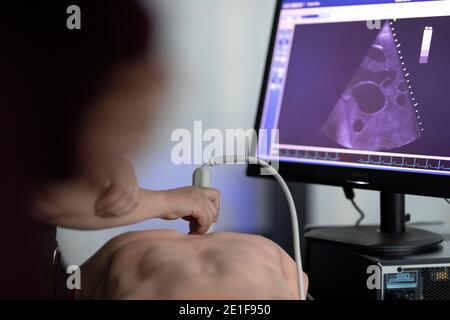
{"type": "Point", "coordinates": [367, 160]}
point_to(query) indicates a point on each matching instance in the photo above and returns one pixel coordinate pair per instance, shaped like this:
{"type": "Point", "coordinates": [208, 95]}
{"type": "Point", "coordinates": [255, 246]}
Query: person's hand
{"type": "Point", "coordinates": [121, 195]}
{"type": "Point", "coordinates": [199, 206]}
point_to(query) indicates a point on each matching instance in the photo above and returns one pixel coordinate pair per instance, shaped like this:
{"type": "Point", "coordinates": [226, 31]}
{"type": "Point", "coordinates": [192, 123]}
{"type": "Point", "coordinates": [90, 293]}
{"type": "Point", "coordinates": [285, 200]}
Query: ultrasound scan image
{"type": "Point", "coordinates": [352, 87]}
{"type": "Point", "coordinates": [375, 112]}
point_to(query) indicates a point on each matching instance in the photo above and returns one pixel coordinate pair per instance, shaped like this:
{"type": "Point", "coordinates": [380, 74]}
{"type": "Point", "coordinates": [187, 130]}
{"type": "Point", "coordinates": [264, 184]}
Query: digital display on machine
{"type": "Point", "coordinates": [402, 280]}
{"type": "Point", "coordinates": [361, 84]}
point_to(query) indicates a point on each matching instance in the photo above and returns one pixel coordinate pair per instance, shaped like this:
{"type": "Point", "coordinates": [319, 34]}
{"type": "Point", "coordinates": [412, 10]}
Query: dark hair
{"type": "Point", "coordinates": [59, 71]}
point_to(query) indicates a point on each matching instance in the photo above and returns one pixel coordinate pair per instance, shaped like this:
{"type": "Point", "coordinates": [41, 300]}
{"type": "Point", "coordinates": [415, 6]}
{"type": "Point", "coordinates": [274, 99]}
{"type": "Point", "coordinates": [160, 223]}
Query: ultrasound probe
{"type": "Point", "coordinates": [202, 178]}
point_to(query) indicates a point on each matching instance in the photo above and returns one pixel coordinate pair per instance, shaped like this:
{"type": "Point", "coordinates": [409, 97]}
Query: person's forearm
{"type": "Point", "coordinates": [147, 208]}
{"type": "Point", "coordinates": [75, 209]}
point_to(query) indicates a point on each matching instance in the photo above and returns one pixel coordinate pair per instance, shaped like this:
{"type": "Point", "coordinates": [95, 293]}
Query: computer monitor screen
{"type": "Point", "coordinates": [361, 85]}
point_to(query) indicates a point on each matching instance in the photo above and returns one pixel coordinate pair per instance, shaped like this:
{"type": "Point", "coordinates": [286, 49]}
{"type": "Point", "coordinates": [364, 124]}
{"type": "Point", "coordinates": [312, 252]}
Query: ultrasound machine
{"type": "Point", "coordinates": [356, 94]}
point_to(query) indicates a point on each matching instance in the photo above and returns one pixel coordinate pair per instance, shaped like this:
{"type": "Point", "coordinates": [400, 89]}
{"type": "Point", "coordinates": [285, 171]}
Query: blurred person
{"type": "Point", "coordinates": [168, 265]}
{"type": "Point", "coordinates": [86, 96]}
{"type": "Point", "coordinates": [95, 92]}
{"type": "Point", "coordinates": [80, 101]}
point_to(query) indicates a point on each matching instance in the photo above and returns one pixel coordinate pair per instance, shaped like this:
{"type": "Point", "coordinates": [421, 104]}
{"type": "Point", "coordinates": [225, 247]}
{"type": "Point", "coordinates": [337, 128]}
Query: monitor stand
{"type": "Point", "coordinates": [391, 237]}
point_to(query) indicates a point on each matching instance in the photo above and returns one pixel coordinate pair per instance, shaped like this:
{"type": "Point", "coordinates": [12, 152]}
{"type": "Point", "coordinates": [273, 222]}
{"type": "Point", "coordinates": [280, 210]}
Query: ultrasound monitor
{"type": "Point", "coordinates": [357, 94]}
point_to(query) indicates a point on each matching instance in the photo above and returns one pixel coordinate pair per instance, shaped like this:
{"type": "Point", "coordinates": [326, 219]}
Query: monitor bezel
{"type": "Point", "coordinates": [432, 185]}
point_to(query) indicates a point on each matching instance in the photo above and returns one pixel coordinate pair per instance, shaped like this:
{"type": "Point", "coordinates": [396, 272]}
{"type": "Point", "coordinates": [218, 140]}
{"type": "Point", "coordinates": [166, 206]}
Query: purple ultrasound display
{"type": "Point", "coordinates": [375, 112]}
{"type": "Point", "coordinates": [348, 87]}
